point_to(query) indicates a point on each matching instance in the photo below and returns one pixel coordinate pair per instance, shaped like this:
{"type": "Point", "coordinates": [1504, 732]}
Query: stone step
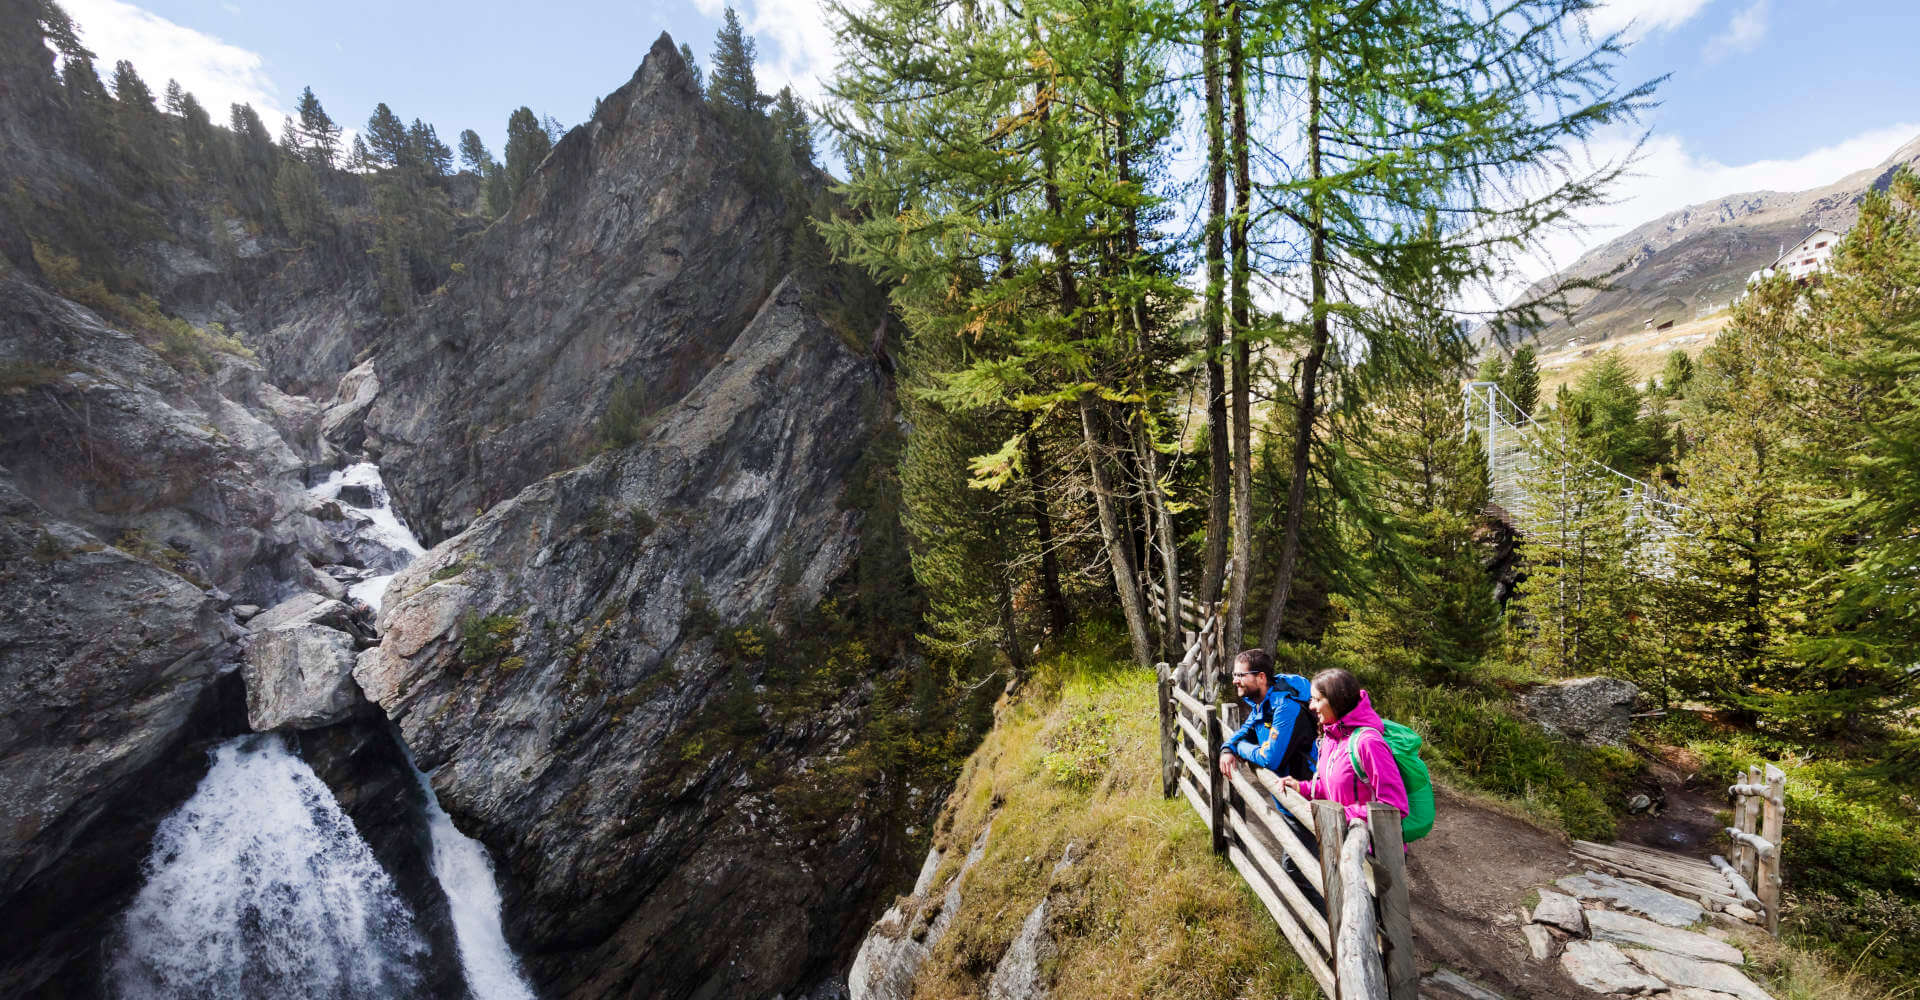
{"type": "Point", "coordinates": [1661, 907]}
{"type": "Point", "coordinates": [1626, 929]}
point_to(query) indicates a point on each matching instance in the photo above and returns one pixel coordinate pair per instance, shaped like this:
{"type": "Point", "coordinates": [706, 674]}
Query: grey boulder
{"type": "Point", "coordinates": [1593, 710]}
{"type": "Point", "coordinates": [299, 677]}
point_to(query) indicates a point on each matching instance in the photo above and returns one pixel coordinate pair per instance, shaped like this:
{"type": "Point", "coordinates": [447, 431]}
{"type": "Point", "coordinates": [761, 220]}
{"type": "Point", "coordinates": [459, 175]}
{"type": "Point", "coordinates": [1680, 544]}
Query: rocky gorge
{"type": "Point", "coordinates": [639, 674]}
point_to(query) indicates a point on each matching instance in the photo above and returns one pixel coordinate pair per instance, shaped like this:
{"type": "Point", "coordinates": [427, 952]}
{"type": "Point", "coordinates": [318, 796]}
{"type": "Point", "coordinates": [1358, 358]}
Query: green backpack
{"type": "Point", "coordinates": [1405, 744]}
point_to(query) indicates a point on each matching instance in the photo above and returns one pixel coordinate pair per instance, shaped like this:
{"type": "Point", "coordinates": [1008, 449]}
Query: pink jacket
{"type": "Point", "coordinates": [1334, 778]}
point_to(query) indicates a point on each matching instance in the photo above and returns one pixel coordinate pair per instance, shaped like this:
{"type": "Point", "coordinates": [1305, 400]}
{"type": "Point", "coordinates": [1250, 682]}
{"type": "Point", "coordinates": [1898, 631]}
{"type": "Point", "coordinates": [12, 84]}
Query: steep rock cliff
{"type": "Point", "coordinates": [577, 669]}
{"type": "Point", "coordinates": [635, 253]}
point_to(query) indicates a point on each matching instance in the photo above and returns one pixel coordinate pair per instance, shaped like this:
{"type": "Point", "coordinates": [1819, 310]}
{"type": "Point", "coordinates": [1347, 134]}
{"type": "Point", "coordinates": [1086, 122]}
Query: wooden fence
{"type": "Point", "coordinates": [1359, 943]}
{"type": "Point", "coordinates": [1759, 811]}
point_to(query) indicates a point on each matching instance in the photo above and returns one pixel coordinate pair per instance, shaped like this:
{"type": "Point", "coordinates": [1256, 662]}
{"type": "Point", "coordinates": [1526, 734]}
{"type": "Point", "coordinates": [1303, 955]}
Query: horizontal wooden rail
{"type": "Point", "coordinates": [1741, 890]}
{"type": "Point", "coordinates": [1307, 861]}
{"type": "Point", "coordinates": [1310, 955]}
{"type": "Point", "coordinates": [1189, 702]}
{"type": "Point", "coordinates": [1193, 733]}
{"type": "Point", "coordinates": [1761, 847]}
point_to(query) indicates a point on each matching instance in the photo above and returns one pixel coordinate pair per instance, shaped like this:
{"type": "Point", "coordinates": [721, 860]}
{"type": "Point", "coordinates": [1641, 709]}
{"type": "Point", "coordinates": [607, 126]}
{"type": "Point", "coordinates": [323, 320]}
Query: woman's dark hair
{"type": "Point", "coordinates": [1340, 689]}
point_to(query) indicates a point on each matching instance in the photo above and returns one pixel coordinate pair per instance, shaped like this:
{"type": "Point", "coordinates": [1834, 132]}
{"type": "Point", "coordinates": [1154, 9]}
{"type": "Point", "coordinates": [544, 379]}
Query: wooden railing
{"type": "Point", "coordinates": [1358, 944]}
{"type": "Point", "coordinates": [1759, 812]}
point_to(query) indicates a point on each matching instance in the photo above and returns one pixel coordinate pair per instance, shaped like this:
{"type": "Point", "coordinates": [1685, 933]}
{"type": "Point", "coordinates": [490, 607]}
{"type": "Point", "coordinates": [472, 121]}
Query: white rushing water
{"type": "Point", "coordinates": [261, 886]}
{"type": "Point", "coordinates": [386, 529]}
{"type": "Point", "coordinates": [460, 863]}
{"type": "Point", "coordinates": [466, 875]}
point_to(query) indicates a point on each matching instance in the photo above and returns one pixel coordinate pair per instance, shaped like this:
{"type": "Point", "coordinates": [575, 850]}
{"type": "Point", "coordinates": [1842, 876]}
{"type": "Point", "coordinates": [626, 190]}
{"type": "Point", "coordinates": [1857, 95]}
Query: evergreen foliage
{"type": "Point", "coordinates": [474, 155]}
{"type": "Point", "coordinates": [527, 144]}
{"type": "Point", "coordinates": [321, 137]}
{"type": "Point", "coordinates": [1521, 380]}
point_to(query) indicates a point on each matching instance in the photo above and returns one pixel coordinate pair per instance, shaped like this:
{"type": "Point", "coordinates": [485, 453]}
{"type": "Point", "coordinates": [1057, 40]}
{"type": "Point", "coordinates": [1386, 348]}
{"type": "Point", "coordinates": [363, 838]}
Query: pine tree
{"type": "Point", "coordinates": [1606, 415]}
{"type": "Point", "coordinates": [1492, 368]}
{"type": "Point", "coordinates": [431, 155]}
{"type": "Point", "coordinates": [1676, 374]}
{"type": "Point", "coordinates": [473, 153]}
{"type": "Point", "coordinates": [791, 129]}
{"type": "Point", "coordinates": [686, 54]}
{"type": "Point", "coordinates": [255, 164]}
{"type": "Point", "coordinates": [321, 136]}
{"type": "Point", "coordinates": [732, 89]}
{"type": "Point", "coordinates": [527, 145]}
{"type": "Point", "coordinates": [386, 137]}
{"type": "Point", "coordinates": [1521, 380]}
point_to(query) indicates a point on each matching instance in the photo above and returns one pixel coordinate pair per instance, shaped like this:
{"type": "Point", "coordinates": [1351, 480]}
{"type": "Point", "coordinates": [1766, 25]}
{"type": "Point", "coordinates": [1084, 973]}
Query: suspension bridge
{"type": "Point", "coordinates": [1541, 484]}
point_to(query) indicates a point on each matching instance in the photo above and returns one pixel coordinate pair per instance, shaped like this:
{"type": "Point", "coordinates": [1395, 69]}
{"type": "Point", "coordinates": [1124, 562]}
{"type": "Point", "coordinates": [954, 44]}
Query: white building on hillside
{"type": "Point", "coordinates": [1803, 259]}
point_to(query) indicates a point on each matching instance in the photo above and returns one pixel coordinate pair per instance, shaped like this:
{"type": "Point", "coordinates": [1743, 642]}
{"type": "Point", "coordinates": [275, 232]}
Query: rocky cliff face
{"type": "Point", "coordinates": [635, 254]}
{"type": "Point", "coordinates": [578, 667]}
{"type": "Point", "coordinates": [640, 675]}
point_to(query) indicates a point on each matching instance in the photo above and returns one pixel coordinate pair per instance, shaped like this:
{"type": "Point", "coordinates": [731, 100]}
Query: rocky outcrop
{"type": "Point", "coordinates": [1594, 710]}
{"type": "Point", "coordinates": [899, 943]}
{"type": "Point", "coordinates": [570, 667]}
{"type": "Point", "coordinates": [299, 677]}
{"type": "Point", "coordinates": [637, 251]}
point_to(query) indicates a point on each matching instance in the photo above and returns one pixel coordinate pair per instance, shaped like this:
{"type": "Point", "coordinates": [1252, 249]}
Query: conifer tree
{"type": "Point", "coordinates": [1521, 380]}
{"type": "Point", "coordinates": [255, 163]}
{"type": "Point", "coordinates": [1676, 374]}
{"type": "Point", "coordinates": [1405, 112]}
{"type": "Point", "coordinates": [473, 153]}
{"type": "Point", "coordinates": [732, 88]}
{"type": "Point", "coordinates": [791, 129]}
{"type": "Point", "coordinates": [386, 137]}
{"type": "Point", "coordinates": [686, 53]}
{"type": "Point", "coordinates": [321, 136]}
{"type": "Point", "coordinates": [430, 154]}
{"type": "Point", "coordinates": [527, 145]}
{"type": "Point", "coordinates": [142, 131]}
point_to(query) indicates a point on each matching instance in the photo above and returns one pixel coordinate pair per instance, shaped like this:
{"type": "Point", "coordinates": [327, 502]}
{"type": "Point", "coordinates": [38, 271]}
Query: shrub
{"type": "Point", "coordinates": [487, 639]}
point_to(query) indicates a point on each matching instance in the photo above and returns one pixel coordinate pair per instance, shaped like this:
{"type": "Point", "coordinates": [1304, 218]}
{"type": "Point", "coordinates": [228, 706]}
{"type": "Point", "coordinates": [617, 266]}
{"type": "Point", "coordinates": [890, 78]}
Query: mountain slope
{"type": "Point", "coordinates": [1685, 264]}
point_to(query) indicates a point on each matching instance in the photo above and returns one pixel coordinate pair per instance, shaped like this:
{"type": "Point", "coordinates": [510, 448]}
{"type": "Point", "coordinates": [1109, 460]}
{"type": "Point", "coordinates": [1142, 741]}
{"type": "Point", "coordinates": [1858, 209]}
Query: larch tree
{"type": "Point", "coordinates": [317, 128]}
{"type": "Point", "coordinates": [1431, 138]}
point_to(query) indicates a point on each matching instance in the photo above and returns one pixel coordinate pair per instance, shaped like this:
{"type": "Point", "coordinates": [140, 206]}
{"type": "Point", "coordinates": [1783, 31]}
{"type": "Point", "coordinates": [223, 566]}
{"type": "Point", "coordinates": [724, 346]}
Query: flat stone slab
{"type": "Point", "coordinates": [1626, 929]}
{"type": "Point", "coordinates": [1560, 911]}
{"type": "Point", "coordinates": [1602, 968]}
{"type": "Point", "coordinates": [1460, 986]}
{"type": "Point", "coordinates": [1660, 907]}
{"type": "Point", "coordinates": [1680, 971]}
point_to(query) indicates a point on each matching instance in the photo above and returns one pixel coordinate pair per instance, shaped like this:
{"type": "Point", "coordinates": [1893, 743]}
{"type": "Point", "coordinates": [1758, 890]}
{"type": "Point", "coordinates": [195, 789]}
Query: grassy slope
{"type": "Point", "coordinates": [1145, 910]}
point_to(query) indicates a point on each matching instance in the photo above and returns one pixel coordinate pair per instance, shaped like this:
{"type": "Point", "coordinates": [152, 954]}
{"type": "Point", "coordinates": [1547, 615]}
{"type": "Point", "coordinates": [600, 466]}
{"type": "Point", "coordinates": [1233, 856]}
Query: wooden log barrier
{"type": "Point", "coordinates": [1330, 825]}
{"type": "Point", "coordinates": [1758, 845]}
{"type": "Point", "coordinates": [1741, 890]}
{"type": "Point", "coordinates": [1357, 959]}
{"type": "Point", "coordinates": [1169, 762]}
{"type": "Point", "coordinates": [1773, 814]}
{"type": "Point", "coordinates": [1217, 797]}
{"type": "Point", "coordinates": [1260, 810]}
{"type": "Point", "coordinates": [1389, 865]}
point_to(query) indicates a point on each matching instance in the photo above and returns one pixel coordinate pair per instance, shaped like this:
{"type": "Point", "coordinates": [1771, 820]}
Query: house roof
{"type": "Point", "coordinates": [1795, 249]}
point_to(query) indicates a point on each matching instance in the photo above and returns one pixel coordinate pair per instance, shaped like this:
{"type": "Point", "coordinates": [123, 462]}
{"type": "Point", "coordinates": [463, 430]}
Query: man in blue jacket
{"type": "Point", "coordinates": [1278, 734]}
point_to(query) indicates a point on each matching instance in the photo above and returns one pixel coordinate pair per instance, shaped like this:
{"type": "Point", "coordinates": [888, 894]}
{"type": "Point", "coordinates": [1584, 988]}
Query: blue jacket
{"type": "Point", "coordinates": [1269, 730]}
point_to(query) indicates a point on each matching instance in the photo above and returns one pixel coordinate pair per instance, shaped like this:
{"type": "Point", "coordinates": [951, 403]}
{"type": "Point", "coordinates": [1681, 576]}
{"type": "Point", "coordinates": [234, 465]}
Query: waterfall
{"type": "Point", "coordinates": [466, 875]}
{"type": "Point", "coordinates": [259, 885]}
{"type": "Point", "coordinates": [360, 490]}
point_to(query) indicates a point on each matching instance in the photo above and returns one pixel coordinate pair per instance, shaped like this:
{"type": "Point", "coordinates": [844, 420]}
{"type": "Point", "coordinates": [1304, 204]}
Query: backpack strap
{"type": "Point", "coordinates": [1353, 753]}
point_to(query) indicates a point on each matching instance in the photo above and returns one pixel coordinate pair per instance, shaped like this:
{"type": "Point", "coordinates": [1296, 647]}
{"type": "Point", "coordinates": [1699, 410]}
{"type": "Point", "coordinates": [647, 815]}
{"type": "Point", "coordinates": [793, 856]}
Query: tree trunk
{"type": "Point", "coordinates": [1220, 480]}
{"type": "Point", "coordinates": [1119, 555]}
{"type": "Point", "coordinates": [1303, 410]}
{"type": "Point", "coordinates": [1059, 616]}
{"type": "Point", "coordinates": [1242, 323]}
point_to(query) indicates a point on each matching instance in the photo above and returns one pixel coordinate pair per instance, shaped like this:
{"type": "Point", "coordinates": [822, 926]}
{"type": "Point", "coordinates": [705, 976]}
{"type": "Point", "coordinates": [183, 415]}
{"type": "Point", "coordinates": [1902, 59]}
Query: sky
{"type": "Point", "coordinates": [1760, 94]}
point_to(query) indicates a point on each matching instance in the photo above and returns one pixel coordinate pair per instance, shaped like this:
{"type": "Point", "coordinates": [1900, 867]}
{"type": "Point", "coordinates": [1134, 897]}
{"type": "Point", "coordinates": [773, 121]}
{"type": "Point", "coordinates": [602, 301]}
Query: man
{"type": "Point", "coordinates": [1278, 734]}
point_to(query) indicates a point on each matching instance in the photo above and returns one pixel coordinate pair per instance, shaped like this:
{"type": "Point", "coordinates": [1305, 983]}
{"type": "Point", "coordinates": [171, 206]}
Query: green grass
{"type": "Point", "coordinates": [1145, 910]}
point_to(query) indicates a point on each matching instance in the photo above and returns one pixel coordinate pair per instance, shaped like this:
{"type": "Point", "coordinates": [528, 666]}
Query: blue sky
{"type": "Point", "coordinates": [1780, 94]}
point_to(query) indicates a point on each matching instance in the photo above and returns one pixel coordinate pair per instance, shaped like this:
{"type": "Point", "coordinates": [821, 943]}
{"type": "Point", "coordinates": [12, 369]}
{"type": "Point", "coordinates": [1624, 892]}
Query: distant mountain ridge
{"type": "Point", "coordinates": [1694, 261]}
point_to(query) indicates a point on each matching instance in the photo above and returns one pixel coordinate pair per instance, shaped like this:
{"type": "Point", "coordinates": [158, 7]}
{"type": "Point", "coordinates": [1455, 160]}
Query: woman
{"type": "Point", "coordinates": [1347, 720]}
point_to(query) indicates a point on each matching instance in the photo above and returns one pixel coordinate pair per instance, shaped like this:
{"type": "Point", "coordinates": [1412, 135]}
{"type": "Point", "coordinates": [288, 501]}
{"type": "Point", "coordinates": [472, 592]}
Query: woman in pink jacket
{"type": "Point", "coordinates": [1347, 718]}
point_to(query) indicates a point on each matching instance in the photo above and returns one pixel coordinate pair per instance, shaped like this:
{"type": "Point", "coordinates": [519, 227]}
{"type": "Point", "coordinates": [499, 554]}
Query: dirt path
{"type": "Point", "coordinates": [1468, 879]}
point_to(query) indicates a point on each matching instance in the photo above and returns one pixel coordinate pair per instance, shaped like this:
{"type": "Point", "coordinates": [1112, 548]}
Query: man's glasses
{"type": "Point", "coordinates": [1244, 673]}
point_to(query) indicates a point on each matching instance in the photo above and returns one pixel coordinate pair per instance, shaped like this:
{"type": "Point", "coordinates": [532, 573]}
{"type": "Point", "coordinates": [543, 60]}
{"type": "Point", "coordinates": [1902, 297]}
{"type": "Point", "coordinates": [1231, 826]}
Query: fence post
{"type": "Point", "coordinates": [1396, 909]}
{"type": "Point", "coordinates": [1330, 826]}
{"type": "Point", "coordinates": [1217, 800]}
{"type": "Point", "coordinates": [1750, 823]}
{"type": "Point", "coordinates": [1773, 818]}
{"type": "Point", "coordinates": [1169, 759]}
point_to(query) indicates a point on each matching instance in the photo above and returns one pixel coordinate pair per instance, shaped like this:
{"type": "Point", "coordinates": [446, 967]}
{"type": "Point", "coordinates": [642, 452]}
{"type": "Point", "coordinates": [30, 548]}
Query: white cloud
{"type": "Point", "coordinates": [1640, 18]}
{"type": "Point", "coordinates": [795, 40]}
{"type": "Point", "coordinates": [1742, 34]}
{"type": "Point", "coordinates": [1669, 177]}
{"type": "Point", "coordinates": [216, 73]}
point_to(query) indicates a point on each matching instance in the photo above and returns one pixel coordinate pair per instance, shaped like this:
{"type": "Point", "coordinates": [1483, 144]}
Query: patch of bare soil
{"type": "Point", "coordinates": [1469, 878]}
{"type": "Point", "coordinates": [1683, 818]}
